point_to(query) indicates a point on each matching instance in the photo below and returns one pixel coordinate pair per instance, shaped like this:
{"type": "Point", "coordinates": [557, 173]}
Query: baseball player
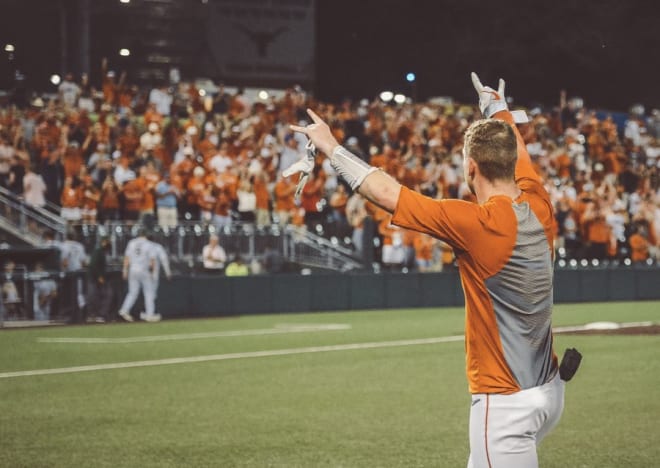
{"type": "Point", "coordinates": [139, 267]}
{"type": "Point", "coordinates": [503, 245]}
{"type": "Point", "coordinates": [162, 260]}
{"type": "Point", "coordinates": [73, 259]}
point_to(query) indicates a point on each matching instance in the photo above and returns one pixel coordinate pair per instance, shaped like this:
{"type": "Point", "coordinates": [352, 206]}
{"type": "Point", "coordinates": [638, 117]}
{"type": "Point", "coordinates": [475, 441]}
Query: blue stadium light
{"type": "Point", "coordinates": [410, 77]}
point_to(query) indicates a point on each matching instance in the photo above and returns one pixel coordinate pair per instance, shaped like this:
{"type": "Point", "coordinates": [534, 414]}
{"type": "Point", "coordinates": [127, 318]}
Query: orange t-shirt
{"type": "Point", "coordinates": [261, 192]}
{"type": "Point", "coordinates": [505, 256]}
{"type": "Point", "coordinates": [147, 185]}
{"type": "Point", "coordinates": [72, 162]}
{"type": "Point", "coordinates": [110, 198]}
{"type": "Point", "coordinates": [71, 197]}
{"type": "Point", "coordinates": [90, 197]}
{"type": "Point", "coordinates": [284, 191]}
{"type": "Point", "coordinates": [598, 231]}
{"type": "Point", "coordinates": [640, 247]}
{"type": "Point", "coordinates": [133, 193]}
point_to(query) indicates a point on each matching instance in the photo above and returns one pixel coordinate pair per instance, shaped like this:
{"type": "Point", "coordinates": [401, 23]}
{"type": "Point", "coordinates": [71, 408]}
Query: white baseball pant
{"type": "Point", "coordinates": [505, 429]}
{"type": "Point", "coordinates": [140, 280]}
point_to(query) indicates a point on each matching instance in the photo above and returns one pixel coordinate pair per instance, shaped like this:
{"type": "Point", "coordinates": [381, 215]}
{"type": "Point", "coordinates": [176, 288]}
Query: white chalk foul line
{"type": "Point", "coordinates": [257, 354]}
{"type": "Point", "coordinates": [230, 356]}
{"type": "Point", "coordinates": [278, 329]}
{"type": "Point", "coordinates": [597, 327]}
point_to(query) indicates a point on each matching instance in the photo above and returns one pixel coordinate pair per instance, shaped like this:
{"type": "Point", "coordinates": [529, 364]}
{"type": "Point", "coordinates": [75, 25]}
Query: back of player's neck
{"type": "Point", "coordinates": [498, 188]}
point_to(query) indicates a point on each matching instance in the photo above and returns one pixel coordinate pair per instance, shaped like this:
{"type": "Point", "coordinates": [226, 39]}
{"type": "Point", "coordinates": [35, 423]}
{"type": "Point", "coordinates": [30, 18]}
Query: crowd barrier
{"type": "Point", "coordinates": [207, 296]}
{"type": "Point", "coordinates": [220, 296]}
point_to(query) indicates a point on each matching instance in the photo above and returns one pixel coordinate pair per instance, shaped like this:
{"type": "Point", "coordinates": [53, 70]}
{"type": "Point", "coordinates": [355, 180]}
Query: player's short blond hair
{"type": "Point", "coordinates": [492, 144]}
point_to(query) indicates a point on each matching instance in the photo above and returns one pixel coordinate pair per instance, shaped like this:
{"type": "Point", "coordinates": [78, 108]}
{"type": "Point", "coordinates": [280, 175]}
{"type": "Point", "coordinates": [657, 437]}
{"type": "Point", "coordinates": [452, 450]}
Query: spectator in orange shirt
{"type": "Point", "coordinates": [72, 160]}
{"type": "Point", "coordinates": [132, 194]}
{"type": "Point", "coordinates": [109, 203]}
{"type": "Point", "coordinates": [128, 142]}
{"type": "Point", "coordinates": [311, 197]}
{"type": "Point", "coordinates": [284, 202]}
{"type": "Point", "coordinates": [71, 201]}
{"type": "Point", "coordinates": [91, 196]}
{"type": "Point", "coordinates": [424, 251]}
{"type": "Point", "coordinates": [598, 231]}
{"type": "Point", "coordinates": [147, 181]}
{"type": "Point", "coordinates": [338, 201]}
{"type": "Point", "coordinates": [221, 210]}
{"type": "Point", "coordinates": [394, 252]}
{"type": "Point", "coordinates": [263, 198]}
{"type": "Point", "coordinates": [639, 244]}
{"type": "Point", "coordinates": [206, 201]}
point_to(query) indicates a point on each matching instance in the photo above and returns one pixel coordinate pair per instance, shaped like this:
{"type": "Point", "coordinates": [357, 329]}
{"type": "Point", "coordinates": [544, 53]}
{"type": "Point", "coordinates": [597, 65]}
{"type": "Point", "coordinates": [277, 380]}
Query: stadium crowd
{"type": "Point", "coordinates": [175, 153]}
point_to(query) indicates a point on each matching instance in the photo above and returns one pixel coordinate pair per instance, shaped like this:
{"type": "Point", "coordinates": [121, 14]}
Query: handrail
{"type": "Point", "coordinates": [22, 211]}
{"type": "Point", "coordinates": [185, 242]}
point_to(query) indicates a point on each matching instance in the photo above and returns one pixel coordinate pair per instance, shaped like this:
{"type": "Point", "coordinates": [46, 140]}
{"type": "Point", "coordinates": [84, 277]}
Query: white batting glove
{"type": "Point", "coordinates": [304, 166]}
{"type": "Point", "coordinates": [491, 102]}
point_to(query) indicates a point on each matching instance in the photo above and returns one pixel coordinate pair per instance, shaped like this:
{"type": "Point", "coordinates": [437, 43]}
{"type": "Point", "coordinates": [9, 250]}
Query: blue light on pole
{"type": "Point", "coordinates": [410, 77]}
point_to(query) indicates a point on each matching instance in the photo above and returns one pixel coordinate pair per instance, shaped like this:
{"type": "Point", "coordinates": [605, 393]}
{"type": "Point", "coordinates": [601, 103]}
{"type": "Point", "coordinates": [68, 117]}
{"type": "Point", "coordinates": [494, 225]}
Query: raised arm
{"type": "Point", "coordinates": [493, 105]}
{"type": "Point", "coordinates": [370, 182]}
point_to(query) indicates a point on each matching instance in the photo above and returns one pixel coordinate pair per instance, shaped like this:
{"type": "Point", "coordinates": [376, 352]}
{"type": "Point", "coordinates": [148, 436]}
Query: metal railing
{"type": "Point", "coordinates": [185, 242]}
{"type": "Point", "coordinates": [316, 251]}
{"type": "Point", "coordinates": [27, 221]}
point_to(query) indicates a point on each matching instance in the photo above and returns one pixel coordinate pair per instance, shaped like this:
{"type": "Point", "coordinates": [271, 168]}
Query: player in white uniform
{"type": "Point", "coordinates": [162, 260]}
{"type": "Point", "coordinates": [139, 267]}
{"type": "Point", "coordinates": [73, 259]}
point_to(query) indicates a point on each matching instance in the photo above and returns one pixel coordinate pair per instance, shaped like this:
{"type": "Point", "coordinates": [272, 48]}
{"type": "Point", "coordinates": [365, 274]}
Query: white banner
{"type": "Point", "coordinates": [263, 41]}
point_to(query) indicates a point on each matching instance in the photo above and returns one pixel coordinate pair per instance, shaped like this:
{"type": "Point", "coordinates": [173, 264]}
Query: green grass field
{"type": "Point", "coordinates": [313, 405]}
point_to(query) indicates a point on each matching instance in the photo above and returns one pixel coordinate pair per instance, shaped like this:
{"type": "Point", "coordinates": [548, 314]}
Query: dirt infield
{"type": "Point", "coordinates": [641, 330]}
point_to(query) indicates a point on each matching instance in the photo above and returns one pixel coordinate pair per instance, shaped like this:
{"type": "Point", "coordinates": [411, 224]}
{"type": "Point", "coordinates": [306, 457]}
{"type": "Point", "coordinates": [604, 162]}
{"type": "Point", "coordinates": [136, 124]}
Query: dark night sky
{"type": "Point", "coordinates": [606, 51]}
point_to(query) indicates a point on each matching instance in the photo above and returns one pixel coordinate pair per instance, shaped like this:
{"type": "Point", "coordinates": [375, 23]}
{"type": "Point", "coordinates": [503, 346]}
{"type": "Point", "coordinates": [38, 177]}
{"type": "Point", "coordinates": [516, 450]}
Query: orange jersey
{"type": "Point", "coordinates": [71, 197]}
{"type": "Point", "coordinates": [505, 257]}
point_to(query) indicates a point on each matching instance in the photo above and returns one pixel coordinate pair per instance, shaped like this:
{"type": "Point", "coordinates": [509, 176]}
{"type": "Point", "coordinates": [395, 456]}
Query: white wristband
{"type": "Point", "coordinates": [351, 168]}
{"type": "Point", "coordinates": [519, 116]}
{"type": "Point", "coordinates": [493, 108]}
